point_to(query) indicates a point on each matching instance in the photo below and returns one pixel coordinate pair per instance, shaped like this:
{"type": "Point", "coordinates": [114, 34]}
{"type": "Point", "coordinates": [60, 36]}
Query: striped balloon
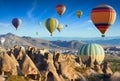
{"type": "Point", "coordinates": [94, 51]}
{"type": "Point", "coordinates": [51, 24]}
{"type": "Point", "coordinates": [103, 16]}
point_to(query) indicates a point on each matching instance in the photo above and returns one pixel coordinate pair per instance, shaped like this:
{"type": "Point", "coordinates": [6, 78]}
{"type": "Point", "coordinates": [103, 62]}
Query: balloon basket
{"type": "Point", "coordinates": [103, 35]}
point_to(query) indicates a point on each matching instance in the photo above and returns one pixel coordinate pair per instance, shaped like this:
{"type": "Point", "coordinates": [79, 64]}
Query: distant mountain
{"type": "Point", "coordinates": [79, 38]}
{"type": "Point", "coordinates": [74, 44]}
{"type": "Point", "coordinates": [99, 40]}
{"type": "Point", "coordinates": [40, 43]}
{"type": "Point", "coordinates": [11, 40]}
{"type": "Point", "coordinates": [105, 42]}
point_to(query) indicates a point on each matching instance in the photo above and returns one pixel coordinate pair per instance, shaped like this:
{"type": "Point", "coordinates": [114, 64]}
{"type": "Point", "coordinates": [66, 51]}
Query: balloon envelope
{"type": "Point", "coordinates": [16, 22]}
{"type": "Point", "coordinates": [51, 24]}
{"type": "Point", "coordinates": [37, 33]}
{"type": "Point", "coordinates": [103, 16]}
{"type": "Point", "coordinates": [60, 27]}
{"type": "Point", "coordinates": [60, 9]}
{"type": "Point", "coordinates": [66, 25]}
{"type": "Point", "coordinates": [78, 13]}
{"type": "Point", "coordinates": [95, 51]}
{"type": "Point", "coordinates": [40, 23]}
{"type": "Point", "coordinates": [2, 40]}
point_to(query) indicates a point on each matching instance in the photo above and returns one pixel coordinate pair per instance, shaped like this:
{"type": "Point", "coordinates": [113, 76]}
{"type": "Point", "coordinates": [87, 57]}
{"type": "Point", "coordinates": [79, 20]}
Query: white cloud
{"type": "Point", "coordinates": [5, 24]}
{"type": "Point", "coordinates": [89, 28]}
{"type": "Point", "coordinates": [89, 21]}
{"type": "Point", "coordinates": [29, 13]}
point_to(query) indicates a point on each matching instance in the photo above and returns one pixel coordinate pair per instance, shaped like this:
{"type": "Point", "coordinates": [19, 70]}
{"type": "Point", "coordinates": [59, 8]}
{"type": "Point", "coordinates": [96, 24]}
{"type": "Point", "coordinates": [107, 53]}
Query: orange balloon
{"type": "Point", "coordinates": [103, 16]}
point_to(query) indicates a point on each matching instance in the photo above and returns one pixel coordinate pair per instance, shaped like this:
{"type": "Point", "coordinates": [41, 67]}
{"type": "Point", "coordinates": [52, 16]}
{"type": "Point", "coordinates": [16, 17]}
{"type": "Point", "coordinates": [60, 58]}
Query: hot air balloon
{"type": "Point", "coordinates": [78, 13]}
{"type": "Point", "coordinates": [66, 25]}
{"type": "Point", "coordinates": [37, 33]}
{"type": "Point", "coordinates": [2, 40]}
{"type": "Point", "coordinates": [40, 23]}
{"type": "Point", "coordinates": [51, 24]}
{"type": "Point", "coordinates": [16, 22]}
{"type": "Point", "coordinates": [60, 9]}
{"type": "Point", "coordinates": [94, 51]}
{"type": "Point", "coordinates": [103, 16]}
{"type": "Point", "coordinates": [60, 27]}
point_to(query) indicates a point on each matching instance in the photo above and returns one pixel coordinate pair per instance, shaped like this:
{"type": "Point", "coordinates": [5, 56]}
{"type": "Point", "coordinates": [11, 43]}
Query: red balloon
{"type": "Point", "coordinates": [60, 9]}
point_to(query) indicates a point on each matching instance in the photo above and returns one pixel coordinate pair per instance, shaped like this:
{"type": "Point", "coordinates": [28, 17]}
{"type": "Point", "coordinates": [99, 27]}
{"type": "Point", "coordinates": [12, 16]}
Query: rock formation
{"type": "Point", "coordinates": [41, 65]}
{"type": "Point", "coordinates": [106, 69]}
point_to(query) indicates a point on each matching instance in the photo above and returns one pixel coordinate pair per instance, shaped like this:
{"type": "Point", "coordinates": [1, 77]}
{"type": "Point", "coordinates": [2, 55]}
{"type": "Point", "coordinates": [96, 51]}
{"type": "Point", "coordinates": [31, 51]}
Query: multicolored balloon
{"type": "Point", "coordinates": [16, 22]}
{"type": "Point", "coordinates": [95, 51]}
{"type": "Point", "coordinates": [51, 24]}
{"type": "Point", "coordinates": [60, 9]}
{"type": "Point", "coordinates": [79, 13]}
{"type": "Point", "coordinates": [60, 27]}
{"type": "Point", "coordinates": [103, 16]}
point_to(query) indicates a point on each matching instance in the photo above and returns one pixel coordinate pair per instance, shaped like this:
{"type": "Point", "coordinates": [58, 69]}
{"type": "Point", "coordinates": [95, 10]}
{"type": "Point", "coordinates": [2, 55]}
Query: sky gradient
{"type": "Point", "coordinates": [31, 12]}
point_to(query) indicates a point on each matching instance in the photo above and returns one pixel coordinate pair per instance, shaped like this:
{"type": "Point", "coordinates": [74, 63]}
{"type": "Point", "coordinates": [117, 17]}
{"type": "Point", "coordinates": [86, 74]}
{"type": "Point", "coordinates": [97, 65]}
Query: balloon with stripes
{"type": "Point", "coordinates": [51, 24]}
{"type": "Point", "coordinates": [95, 51]}
{"type": "Point", "coordinates": [103, 16]}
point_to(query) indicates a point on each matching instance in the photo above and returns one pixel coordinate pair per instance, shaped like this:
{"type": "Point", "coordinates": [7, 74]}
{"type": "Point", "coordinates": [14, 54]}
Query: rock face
{"type": "Point", "coordinates": [27, 66]}
{"type": "Point", "coordinates": [106, 68]}
{"type": "Point", "coordinates": [2, 78]}
{"type": "Point", "coordinates": [8, 65]}
{"type": "Point", "coordinates": [51, 70]}
{"type": "Point", "coordinates": [65, 65]}
{"type": "Point", "coordinates": [115, 76]}
{"type": "Point", "coordinates": [97, 67]}
{"type": "Point", "coordinates": [41, 65]}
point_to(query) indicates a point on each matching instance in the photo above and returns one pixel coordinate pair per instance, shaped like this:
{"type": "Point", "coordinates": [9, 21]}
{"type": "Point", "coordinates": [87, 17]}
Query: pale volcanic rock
{"type": "Point", "coordinates": [7, 64]}
{"type": "Point", "coordinates": [51, 70]}
{"type": "Point", "coordinates": [106, 69]}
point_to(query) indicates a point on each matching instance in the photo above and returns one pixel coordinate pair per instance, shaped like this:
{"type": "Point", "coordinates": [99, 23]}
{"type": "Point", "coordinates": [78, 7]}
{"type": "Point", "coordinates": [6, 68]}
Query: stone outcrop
{"type": "Point", "coordinates": [41, 65]}
{"type": "Point", "coordinates": [7, 64]}
{"type": "Point", "coordinates": [50, 69]}
{"type": "Point", "coordinates": [106, 69]}
{"type": "Point", "coordinates": [115, 76]}
{"type": "Point", "coordinates": [27, 66]}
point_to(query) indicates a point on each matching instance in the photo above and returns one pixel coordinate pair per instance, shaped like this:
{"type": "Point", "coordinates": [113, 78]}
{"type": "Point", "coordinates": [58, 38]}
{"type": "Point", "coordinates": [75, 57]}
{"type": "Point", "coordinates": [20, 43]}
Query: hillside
{"type": "Point", "coordinates": [74, 44]}
{"type": "Point", "coordinates": [11, 40]}
{"type": "Point", "coordinates": [113, 41]}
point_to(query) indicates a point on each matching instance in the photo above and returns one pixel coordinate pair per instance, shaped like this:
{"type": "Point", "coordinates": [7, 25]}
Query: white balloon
{"type": "Point", "coordinates": [40, 23]}
{"type": "Point", "coordinates": [2, 40]}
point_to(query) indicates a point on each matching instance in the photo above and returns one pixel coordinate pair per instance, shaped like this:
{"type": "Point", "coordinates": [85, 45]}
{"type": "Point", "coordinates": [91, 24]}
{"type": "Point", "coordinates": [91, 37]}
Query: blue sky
{"type": "Point", "coordinates": [34, 11]}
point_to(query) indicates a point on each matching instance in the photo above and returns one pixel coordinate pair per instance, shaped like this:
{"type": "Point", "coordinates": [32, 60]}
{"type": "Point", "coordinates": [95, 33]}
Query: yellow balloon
{"type": "Point", "coordinates": [60, 27]}
{"type": "Point", "coordinates": [51, 24]}
{"type": "Point", "coordinates": [79, 13]}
